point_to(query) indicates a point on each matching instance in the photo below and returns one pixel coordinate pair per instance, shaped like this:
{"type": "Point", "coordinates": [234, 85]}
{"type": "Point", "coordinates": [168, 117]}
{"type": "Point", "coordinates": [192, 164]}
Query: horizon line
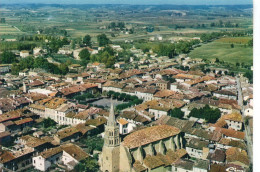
{"type": "Point", "coordinates": [30, 3]}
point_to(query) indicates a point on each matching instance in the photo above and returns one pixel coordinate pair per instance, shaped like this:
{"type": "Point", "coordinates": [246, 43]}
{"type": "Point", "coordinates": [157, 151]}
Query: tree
{"type": "Point", "coordinates": [84, 56]}
{"type": "Point", "coordinates": [249, 75]}
{"type": "Point", "coordinates": [87, 40]}
{"type": "Point", "coordinates": [64, 69]}
{"type": "Point", "coordinates": [48, 123]}
{"type": "Point", "coordinates": [73, 44]}
{"type": "Point", "coordinates": [211, 115]}
{"type": "Point", "coordinates": [2, 20]}
{"type": "Point", "coordinates": [26, 63]}
{"type": "Point", "coordinates": [7, 58]}
{"type": "Point", "coordinates": [89, 165]}
{"type": "Point", "coordinates": [251, 43]}
{"type": "Point", "coordinates": [176, 112]}
{"type": "Point", "coordinates": [113, 35]}
{"type": "Point", "coordinates": [103, 40]}
{"type": "Point", "coordinates": [16, 68]}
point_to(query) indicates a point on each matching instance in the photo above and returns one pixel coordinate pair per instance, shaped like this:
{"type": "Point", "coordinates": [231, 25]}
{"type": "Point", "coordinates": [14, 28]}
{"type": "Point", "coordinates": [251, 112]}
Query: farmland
{"type": "Point", "coordinates": [86, 19]}
{"type": "Point", "coordinates": [222, 50]}
{"type": "Point", "coordinates": [8, 29]}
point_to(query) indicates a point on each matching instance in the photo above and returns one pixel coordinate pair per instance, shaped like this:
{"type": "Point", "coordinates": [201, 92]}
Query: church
{"type": "Point", "coordinates": [150, 149]}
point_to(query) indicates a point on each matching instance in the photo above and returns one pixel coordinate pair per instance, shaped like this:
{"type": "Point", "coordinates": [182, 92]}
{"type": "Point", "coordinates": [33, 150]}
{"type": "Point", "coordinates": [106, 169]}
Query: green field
{"type": "Point", "coordinates": [8, 29]}
{"type": "Point", "coordinates": [223, 51]}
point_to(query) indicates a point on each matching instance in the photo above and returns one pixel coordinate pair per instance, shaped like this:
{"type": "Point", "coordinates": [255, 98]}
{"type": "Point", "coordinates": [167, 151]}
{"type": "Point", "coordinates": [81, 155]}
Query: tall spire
{"type": "Point", "coordinates": [111, 118]}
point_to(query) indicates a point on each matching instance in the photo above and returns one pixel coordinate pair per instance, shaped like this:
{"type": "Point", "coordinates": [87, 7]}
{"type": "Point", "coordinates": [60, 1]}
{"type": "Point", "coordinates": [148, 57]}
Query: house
{"type": "Point", "coordinates": [16, 160]}
{"type": "Point", "coordinates": [184, 77]}
{"type": "Point", "coordinates": [159, 111]}
{"type": "Point", "coordinates": [123, 126]}
{"type": "Point", "coordinates": [249, 111]}
{"type": "Point", "coordinates": [197, 148]}
{"type": "Point", "coordinates": [238, 157]}
{"type": "Point", "coordinates": [113, 86]}
{"type": "Point", "coordinates": [75, 68]}
{"type": "Point", "coordinates": [229, 133]}
{"type": "Point", "coordinates": [67, 134]}
{"type": "Point", "coordinates": [233, 121]}
{"type": "Point", "coordinates": [65, 50]}
{"type": "Point", "coordinates": [163, 85]}
{"type": "Point", "coordinates": [183, 165]}
{"type": "Point", "coordinates": [98, 123]}
{"type": "Point", "coordinates": [226, 143]}
{"type": "Point", "coordinates": [225, 94]}
{"type": "Point", "coordinates": [22, 123]}
{"type": "Point", "coordinates": [37, 51]}
{"type": "Point", "coordinates": [129, 120]}
{"type": "Point", "coordinates": [119, 64]}
{"type": "Point", "coordinates": [24, 53]}
{"type": "Point", "coordinates": [68, 155]}
{"type": "Point", "coordinates": [5, 137]}
{"type": "Point", "coordinates": [7, 126]}
{"type": "Point", "coordinates": [201, 165]}
{"type": "Point", "coordinates": [217, 157]}
{"type": "Point", "coordinates": [5, 68]}
{"type": "Point", "coordinates": [145, 93]}
{"type": "Point", "coordinates": [96, 66]}
{"type": "Point", "coordinates": [37, 144]}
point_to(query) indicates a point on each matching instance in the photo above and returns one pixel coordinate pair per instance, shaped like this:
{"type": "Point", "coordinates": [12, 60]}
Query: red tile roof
{"type": "Point", "coordinates": [149, 135]}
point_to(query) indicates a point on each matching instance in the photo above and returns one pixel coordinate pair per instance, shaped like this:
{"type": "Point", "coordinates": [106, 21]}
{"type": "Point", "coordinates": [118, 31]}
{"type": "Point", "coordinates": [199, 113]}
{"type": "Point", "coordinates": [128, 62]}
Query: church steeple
{"type": "Point", "coordinates": [110, 157]}
{"type": "Point", "coordinates": [112, 130]}
{"type": "Point", "coordinates": [111, 119]}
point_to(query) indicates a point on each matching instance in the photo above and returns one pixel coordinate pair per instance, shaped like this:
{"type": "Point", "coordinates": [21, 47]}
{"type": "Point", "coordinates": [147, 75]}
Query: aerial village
{"type": "Point", "coordinates": [150, 116]}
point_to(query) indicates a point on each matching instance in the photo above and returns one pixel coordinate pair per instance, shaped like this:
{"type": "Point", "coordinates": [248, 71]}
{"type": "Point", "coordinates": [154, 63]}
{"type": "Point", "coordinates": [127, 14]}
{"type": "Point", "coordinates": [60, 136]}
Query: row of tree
{"type": "Point", "coordinates": [133, 100]}
{"type": "Point", "coordinates": [116, 25]}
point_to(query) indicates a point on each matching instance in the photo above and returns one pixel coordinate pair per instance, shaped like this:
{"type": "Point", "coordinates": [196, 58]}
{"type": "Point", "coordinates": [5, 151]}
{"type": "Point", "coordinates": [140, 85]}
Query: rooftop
{"type": "Point", "coordinates": [149, 135]}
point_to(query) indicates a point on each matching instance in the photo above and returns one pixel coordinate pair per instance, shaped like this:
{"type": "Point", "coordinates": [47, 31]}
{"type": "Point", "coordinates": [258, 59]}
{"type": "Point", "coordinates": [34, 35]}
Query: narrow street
{"type": "Point", "coordinates": [247, 131]}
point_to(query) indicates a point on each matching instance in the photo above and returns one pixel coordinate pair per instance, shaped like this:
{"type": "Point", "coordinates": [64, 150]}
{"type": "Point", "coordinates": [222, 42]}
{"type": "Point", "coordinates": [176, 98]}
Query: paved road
{"type": "Point", "coordinates": [248, 134]}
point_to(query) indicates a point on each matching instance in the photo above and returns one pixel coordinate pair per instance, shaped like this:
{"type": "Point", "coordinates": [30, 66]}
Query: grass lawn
{"type": "Point", "coordinates": [223, 51]}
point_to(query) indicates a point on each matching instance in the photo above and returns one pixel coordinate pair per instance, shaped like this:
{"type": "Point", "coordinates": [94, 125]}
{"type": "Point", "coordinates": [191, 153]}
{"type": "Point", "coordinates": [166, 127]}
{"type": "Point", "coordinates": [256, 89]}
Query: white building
{"type": "Point", "coordinates": [197, 148]}
{"type": "Point", "coordinates": [68, 155]}
{"type": "Point", "coordinates": [24, 53]}
{"type": "Point", "coordinates": [158, 112]}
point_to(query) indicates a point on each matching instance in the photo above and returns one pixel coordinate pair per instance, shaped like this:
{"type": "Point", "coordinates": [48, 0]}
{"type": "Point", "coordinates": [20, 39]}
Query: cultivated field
{"type": "Point", "coordinates": [222, 50]}
{"type": "Point", "coordinates": [8, 29]}
{"type": "Point", "coordinates": [235, 40]}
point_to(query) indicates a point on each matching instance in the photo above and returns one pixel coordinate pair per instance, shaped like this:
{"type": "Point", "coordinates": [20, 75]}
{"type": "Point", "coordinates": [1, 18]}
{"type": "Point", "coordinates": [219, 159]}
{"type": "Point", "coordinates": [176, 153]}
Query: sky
{"type": "Point", "coordinates": [138, 2]}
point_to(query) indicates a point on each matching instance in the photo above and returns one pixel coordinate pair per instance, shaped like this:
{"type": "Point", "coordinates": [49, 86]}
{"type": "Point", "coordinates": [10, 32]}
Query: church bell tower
{"type": "Point", "coordinates": [110, 153]}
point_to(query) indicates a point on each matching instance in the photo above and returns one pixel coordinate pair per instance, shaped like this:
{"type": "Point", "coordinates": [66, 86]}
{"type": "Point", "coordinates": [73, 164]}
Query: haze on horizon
{"type": "Point", "coordinates": [132, 2]}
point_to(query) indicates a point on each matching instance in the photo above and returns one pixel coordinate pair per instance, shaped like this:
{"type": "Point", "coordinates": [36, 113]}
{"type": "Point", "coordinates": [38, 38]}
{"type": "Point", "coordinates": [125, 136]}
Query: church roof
{"type": "Point", "coordinates": [149, 135]}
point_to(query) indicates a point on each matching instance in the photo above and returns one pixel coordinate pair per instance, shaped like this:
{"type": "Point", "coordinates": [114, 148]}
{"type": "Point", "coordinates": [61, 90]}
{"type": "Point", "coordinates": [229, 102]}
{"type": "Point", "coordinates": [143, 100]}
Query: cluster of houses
{"type": "Point", "coordinates": [145, 135]}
